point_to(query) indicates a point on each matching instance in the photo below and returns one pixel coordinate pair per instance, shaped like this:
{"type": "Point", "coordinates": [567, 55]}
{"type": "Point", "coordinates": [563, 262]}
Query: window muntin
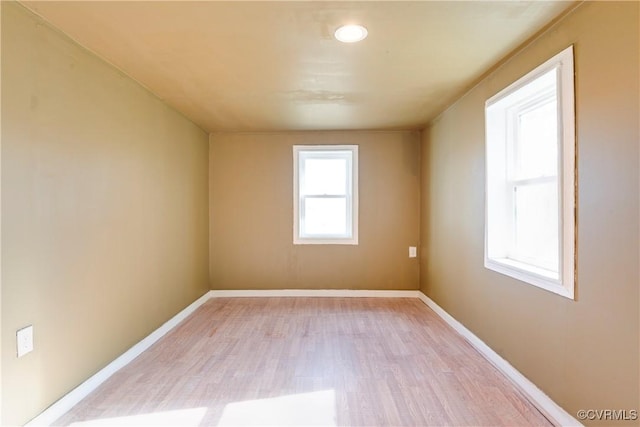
{"type": "Point", "coordinates": [530, 194]}
{"type": "Point", "coordinates": [325, 194]}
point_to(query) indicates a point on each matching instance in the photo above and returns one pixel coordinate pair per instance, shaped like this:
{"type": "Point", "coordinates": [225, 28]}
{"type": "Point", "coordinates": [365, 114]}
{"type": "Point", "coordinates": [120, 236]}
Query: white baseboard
{"type": "Point", "coordinates": [342, 293]}
{"type": "Point", "coordinates": [543, 402]}
{"type": "Point", "coordinates": [537, 397]}
{"type": "Point", "coordinates": [68, 401]}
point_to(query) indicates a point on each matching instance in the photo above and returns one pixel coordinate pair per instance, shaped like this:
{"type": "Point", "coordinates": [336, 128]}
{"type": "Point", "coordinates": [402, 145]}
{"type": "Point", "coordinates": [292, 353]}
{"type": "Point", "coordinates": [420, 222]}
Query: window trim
{"type": "Point", "coordinates": [352, 197]}
{"type": "Point", "coordinates": [565, 283]}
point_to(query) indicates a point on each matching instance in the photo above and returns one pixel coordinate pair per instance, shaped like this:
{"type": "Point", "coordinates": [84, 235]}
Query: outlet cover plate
{"type": "Point", "coordinates": [24, 339]}
{"type": "Point", "coordinates": [413, 251]}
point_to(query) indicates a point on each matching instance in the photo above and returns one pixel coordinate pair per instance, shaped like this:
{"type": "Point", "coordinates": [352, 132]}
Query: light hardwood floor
{"type": "Point", "coordinates": [340, 361]}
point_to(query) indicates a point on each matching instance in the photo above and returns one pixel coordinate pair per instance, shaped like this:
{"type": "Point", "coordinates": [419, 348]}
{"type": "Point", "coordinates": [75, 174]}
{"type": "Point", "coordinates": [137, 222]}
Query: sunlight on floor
{"type": "Point", "coordinates": [316, 408]}
{"type": "Point", "coordinates": [181, 417]}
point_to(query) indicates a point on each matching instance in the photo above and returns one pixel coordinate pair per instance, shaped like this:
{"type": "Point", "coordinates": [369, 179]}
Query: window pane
{"type": "Point", "coordinates": [324, 216]}
{"type": "Point", "coordinates": [537, 143]}
{"type": "Point", "coordinates": [536, 225]}
{"type": "Point", "coordinates": [325, 176]}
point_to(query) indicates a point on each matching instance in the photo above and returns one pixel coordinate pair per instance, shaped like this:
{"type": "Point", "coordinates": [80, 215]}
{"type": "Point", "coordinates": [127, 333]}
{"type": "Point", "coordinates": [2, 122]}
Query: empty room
{"type": "Point", "coordinates": [371, 213]}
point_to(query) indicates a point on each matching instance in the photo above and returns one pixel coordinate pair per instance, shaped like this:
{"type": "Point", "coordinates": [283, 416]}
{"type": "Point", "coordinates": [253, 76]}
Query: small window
{"type": "Point", "coordinates": [530, 178]}
{"type": "Point", "coordinates": [325, 194]}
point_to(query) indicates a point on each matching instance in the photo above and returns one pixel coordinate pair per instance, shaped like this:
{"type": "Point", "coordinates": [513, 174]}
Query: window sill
{"type": "Point", "coordinates": [316, 241]}
{"type": "Point", "coordinates": [535, 276]}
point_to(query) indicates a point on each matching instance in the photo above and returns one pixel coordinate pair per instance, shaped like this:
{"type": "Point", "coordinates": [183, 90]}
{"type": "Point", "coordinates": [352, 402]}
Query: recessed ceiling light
{"type": "Point", "coordinates": [351, 33]}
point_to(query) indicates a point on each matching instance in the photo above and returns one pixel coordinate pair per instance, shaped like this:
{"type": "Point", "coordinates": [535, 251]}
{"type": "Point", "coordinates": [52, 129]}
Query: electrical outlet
{"type": "Point", "coordinates": [413, 252]}
{"type": "Point", "coordinates": [24, 340]}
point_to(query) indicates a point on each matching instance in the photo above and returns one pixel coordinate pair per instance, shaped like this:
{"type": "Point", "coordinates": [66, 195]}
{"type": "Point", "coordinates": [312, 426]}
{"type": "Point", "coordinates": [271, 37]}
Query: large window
{"type": "Point", "coordinates": [530, 178]}
{"type": "Point", "coordinates": [325, 194]}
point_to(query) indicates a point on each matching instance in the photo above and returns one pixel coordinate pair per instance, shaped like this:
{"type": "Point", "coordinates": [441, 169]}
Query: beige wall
{"type": "Point", "coordinates": [583, 353]}
{"type": "Point", "coordinates": [104, 212]}
{"type": "Point", "coordinates": [251, 208]}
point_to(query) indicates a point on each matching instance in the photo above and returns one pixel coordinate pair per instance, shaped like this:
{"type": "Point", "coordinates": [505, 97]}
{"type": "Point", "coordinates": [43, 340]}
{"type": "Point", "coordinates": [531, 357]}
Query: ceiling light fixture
{"type": "Point", "coordinates": [351, 33]}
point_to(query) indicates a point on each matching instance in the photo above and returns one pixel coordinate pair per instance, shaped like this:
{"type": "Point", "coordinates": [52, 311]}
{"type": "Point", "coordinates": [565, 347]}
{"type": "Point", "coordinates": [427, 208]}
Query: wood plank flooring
{"type": "Point", "coordinates": [336, 361]}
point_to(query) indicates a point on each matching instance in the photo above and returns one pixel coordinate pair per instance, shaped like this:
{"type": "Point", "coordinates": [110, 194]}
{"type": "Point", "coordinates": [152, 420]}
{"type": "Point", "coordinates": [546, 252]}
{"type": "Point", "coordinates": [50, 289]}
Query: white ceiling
{"type": "Point", "coordinates": [266, 65]}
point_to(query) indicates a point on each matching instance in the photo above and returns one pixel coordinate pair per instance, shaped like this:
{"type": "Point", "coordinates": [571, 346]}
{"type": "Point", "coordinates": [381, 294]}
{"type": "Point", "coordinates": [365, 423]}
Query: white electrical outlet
{"type": "Point", "coordinates": [24, 338]}
{"type": "Point", "coordinates": [413, 252]}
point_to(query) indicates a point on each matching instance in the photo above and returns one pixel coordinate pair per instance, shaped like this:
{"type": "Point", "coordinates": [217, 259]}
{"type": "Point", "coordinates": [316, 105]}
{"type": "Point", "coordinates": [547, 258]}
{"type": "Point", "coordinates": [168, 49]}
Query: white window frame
{"type": "Point", "coordinates": [499, 207]}
{"type": "Point", "coordinates": [349, 152]}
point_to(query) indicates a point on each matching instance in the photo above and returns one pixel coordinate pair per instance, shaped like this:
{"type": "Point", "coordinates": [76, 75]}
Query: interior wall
{"type": "Point", "coordinates": [104, 214]}
{"type": "Point", "coordinates": [251, 208]}
{"type": "Point", "coordinates": [584, 353]}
